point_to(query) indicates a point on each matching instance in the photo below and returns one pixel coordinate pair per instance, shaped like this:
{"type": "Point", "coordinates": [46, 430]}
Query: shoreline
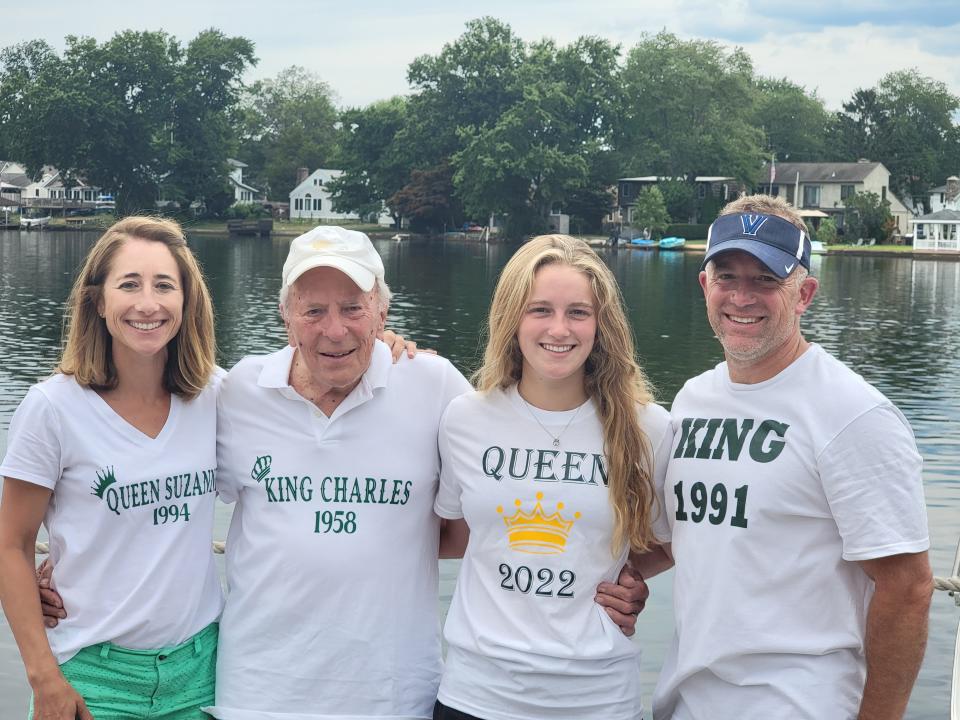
{"type": "Point", "coordinates": [596, 241]}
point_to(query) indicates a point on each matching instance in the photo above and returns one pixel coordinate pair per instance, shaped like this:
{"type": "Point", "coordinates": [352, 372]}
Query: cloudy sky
{"type": "Point", "coordinates": [362, 47]}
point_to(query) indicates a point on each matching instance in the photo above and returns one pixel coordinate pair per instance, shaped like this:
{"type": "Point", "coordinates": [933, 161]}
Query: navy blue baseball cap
{"type": "Point", "coordinates": [774, 241]}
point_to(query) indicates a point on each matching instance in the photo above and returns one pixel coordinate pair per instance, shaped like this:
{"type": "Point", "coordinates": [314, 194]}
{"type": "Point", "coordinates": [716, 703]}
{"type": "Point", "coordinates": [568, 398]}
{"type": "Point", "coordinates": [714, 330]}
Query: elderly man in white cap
{"type": "Point", "coordinates": [330, 452]}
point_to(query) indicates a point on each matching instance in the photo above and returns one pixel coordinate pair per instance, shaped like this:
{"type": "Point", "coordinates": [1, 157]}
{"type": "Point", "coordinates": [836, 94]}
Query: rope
{"type": "Point", "coordinates": [950, 584]}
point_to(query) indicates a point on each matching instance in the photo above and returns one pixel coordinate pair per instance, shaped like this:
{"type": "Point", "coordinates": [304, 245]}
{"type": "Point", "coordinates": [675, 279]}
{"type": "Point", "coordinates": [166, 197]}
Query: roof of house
{"type": "Point", "coordinates": [661, 178]}
{"type": "Point", "coordinates": [827, 172]}
{"type": "Point", "coordinates": [243, 185]}
{"type": "Point", "coordinates": [236, 163]}
{"type": "Point", "coordinates": [938, 189]}
{"type": "Point", "coordinates": [308, 182]}
{"type": "Point", "coordinates": [944, 216]}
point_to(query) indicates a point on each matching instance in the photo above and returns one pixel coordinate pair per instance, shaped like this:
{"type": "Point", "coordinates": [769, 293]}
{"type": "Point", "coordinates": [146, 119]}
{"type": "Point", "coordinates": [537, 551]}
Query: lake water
{"type": "Point", "coordinates": [895, 320]}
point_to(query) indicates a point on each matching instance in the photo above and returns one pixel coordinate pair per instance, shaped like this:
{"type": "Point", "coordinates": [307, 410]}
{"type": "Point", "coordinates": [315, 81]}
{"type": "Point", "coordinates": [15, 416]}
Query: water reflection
{"type": "Point", "coordinates": [895, 320]}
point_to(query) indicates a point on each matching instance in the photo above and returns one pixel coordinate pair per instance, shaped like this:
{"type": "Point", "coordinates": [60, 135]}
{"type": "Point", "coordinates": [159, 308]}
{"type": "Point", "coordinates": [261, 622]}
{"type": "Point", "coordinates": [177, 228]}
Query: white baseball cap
{"type": "Point", "coordinates": [349, 251]}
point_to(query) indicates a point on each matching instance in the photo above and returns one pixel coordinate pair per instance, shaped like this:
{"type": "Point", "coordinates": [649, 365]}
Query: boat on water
{"type": "Point", "coordinates": [817, 247]}
{"type": "Point", "coordinates": [29, 223]}
{"type": "Point", "coordinates": [641, 242]}
{"type": "Point", "coordinates": [671, 243]}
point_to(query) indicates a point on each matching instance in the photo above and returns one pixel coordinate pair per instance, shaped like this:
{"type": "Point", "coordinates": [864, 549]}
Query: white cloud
{"type": "Point", "coordinates": [362, 48]}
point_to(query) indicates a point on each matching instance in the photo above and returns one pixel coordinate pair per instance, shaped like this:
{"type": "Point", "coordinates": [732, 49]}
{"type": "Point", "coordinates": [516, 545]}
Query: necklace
{"type": "Point", "coordinates": [555, 438]}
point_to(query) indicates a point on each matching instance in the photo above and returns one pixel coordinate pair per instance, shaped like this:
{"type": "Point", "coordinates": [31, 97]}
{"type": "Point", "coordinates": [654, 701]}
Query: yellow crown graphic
{"type": "Point", "coordinates": [536, 532]}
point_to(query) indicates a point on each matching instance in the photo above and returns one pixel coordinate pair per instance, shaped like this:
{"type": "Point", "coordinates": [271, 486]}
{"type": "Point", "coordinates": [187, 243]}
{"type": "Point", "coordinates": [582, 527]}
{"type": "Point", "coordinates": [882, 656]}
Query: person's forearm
{"type": "Point", "coordinates": [651, 563]}
{"type": "Point", "coordinates": [21, 605]}
{"type": "Point", "coordinates": [895, 642]}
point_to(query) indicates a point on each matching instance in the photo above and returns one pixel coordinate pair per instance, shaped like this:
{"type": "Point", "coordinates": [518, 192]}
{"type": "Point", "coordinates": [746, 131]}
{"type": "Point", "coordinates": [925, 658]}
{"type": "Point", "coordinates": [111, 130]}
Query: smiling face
{"type": "Point", "coordinates": [755, 315]}
{"type": "Point", "coordinates": [333, 324]}
{"type": "Point", "coordinates": [558, 328]}
{"type": "Point", "coordinates": [142, 300]}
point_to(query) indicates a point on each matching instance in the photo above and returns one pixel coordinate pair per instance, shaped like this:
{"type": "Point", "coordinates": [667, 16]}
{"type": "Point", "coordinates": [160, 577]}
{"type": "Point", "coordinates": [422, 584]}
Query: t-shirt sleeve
{"type": "Point", "coordinates": [447, 504]}
{"type": "Point", "coordinates": [661, 441]}
{"type": "Point", "coordinates": [228, 484]}
{"type": "Point", "coordinates": [871, 474]}
{"type": "Point", "coordinates": [33, 443]}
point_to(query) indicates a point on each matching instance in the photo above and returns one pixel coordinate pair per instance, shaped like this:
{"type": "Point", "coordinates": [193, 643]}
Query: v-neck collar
{"type": "Point", "coordinates": [125, 428]}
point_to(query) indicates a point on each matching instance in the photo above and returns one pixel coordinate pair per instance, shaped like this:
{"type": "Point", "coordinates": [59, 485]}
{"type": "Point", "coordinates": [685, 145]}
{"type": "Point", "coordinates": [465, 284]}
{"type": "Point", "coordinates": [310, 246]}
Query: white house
{"type": "Point", "coordinates": [310, 199]}
{"type": "Point", "coordinates": [940, 229]}
{"type": "Point", "coordinates": [946, 197]}
{"type": "Point", "coordinates": [50, 186]}
{"type": "Point", "coordinates": [242, 193]}
{"type": "Point", "coordinates": [825, 187]}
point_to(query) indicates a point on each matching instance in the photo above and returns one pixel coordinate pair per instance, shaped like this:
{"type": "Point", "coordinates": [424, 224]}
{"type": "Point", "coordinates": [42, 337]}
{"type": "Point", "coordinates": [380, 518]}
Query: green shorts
{"type": "Point", "coordinates": [167, 684]}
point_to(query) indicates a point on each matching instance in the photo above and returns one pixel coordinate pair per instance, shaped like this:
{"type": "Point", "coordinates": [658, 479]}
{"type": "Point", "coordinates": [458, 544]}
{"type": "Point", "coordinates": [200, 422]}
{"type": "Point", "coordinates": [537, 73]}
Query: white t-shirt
{"type": "Point", "coordinates": [525, 637]}
{"type": "Point", "coordinates": [130, 519]}
{"type": "Point", "coordinates": [774, 490]}
{"type": "Point", "coordinates": [332, 550]}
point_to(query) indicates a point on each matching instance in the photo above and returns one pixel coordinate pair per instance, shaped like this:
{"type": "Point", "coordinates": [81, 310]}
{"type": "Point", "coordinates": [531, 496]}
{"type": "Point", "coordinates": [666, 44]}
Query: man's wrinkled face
{"type": "Point", "coordinates": [333, 324]}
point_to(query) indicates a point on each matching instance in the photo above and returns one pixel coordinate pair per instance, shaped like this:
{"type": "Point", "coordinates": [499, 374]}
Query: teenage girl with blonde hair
{"type": "Point", "coordinates": [551, 468]}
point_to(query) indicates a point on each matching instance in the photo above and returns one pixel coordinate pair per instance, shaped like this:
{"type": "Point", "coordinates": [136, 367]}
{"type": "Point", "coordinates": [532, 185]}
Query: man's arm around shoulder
{"type": "Point", "coordinates": [896, 632]}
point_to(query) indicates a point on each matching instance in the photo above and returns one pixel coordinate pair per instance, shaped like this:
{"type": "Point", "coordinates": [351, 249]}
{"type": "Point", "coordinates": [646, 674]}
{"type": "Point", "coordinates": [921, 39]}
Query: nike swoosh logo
{"type": "Point", "coordinates": [788, 268]}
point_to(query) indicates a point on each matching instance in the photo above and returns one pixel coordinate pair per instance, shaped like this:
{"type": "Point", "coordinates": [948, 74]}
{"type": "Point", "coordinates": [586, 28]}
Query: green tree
{"type": "Point", "coordinates": [650, 211]}
{"type": "Point", "coordinates": [688, 110]}
{"type": "Point", "coordinates": [827, 232]}
{"type": "Point", "coordinates": [866, 215]}
{"type": "Point", "coordinates": [907, 123]}
{"type": "Point", "coordinates": [287, 122]}
{"type": "Point", "coordinates": [127, 114]}
{"type": "Point", "coordinates": [793, 121]}
{"type": "Point", "coordinates": [374, 160]}
{"type": "Point", "coordinates": [680, 199]}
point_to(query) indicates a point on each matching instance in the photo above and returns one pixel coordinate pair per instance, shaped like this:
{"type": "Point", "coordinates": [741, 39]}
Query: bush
{"type": "Point", "coordinates": [697, 231]}
{"type": "Point", "coordinates": [827, 232]}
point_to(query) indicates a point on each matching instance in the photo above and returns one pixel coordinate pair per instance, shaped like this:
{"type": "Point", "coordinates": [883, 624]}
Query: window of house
{"type": "Point", "coordinates": [774, 190]}
{"type": "Point", "coordinates": [701, 191]}
{"type": "Point", "coordinates": [883, 192]}
{"type": "Point", "coordinates": [790, 190]}
{"type": "Point", "coordinates": [847, 191]}
{"type": "Point", "coordinates": [317, 204]}
{"type": "Point", "coordinates": [811, 196]}
{"type": "Point", "coordinates": [556, 209]}
{"type": "Point", "coordinates": [298, 204]}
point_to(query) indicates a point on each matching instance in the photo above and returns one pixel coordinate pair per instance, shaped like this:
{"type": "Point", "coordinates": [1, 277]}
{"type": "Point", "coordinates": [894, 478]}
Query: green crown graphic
{"type": "Point", "coordinates": [105, 478]}
{"type": "Point", "coordinates": [261, 468]}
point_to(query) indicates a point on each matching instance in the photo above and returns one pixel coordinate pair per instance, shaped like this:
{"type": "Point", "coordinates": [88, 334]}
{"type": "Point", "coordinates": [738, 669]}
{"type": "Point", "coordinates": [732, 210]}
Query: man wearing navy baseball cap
{"type": "Point", "coordinates": [798, 525]}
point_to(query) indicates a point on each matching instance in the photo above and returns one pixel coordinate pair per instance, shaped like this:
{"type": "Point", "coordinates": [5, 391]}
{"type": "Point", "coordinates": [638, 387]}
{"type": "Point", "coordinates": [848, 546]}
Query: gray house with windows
{"type": "Point", "coordinates": [825, 187]}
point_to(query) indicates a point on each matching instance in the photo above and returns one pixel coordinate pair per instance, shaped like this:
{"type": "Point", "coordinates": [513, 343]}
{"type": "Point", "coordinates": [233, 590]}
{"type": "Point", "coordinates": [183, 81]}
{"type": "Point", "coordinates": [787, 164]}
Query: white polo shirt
{"type": "Point", "coordinates": [332, 550]}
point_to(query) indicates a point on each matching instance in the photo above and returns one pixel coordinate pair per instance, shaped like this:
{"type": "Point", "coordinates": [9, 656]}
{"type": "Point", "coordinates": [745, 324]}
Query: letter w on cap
{"type": "Point", "coordinates": [752, 223]}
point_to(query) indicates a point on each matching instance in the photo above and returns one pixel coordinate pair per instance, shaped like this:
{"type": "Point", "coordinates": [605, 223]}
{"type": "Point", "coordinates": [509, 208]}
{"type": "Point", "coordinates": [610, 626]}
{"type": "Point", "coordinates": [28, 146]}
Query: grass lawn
{"type": "Point", "coordinates": [839, 248]}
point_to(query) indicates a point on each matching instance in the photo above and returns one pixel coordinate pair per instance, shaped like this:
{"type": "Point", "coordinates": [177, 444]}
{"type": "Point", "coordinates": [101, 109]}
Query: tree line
{"type": "Point", "coordinates": [492, 124]}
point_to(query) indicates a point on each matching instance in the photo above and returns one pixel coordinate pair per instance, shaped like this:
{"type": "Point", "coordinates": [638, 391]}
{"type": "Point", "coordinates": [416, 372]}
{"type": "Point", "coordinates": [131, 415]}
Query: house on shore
{"type": "Point", "coordinates": [13, 181]}
{"type": "Point", "coordinates": [939, 230]}
{"type": "Point", "coordinates": [51, 192]}
{"type": "Point", "coordinates": [310, 199]}
{"type": "Point", "coordinates": [242, 193]}
{"type": "Point", "coordinates": [824, 188]}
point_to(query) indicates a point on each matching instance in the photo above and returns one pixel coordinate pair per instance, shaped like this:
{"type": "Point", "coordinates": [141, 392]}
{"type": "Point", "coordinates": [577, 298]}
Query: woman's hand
{"type": "Point", "coordinates": [399, 346]}
{"type": "Point", "coordinates": [51, 604]}
{"type": "Point", "coordinates": [55, 699]}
